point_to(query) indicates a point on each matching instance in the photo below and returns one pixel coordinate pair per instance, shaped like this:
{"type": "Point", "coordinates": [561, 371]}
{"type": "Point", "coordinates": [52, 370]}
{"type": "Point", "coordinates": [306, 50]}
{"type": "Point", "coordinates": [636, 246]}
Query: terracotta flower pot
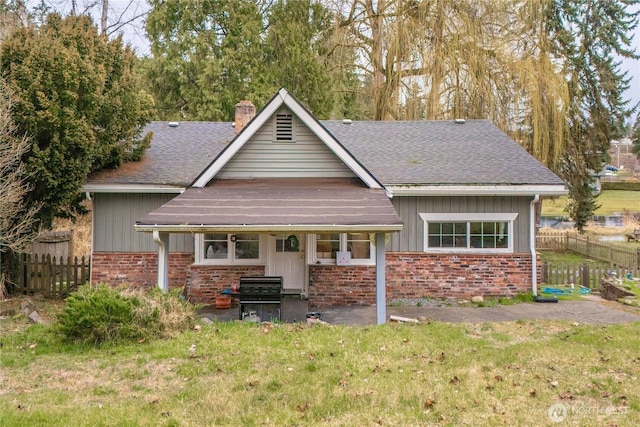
{"type": "Point", "coordinates": [223, 302]}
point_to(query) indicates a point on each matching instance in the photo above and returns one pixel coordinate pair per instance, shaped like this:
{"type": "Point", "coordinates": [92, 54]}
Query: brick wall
{"type": "Point", "coordinates": [138, 268]}
{"type": "Point", "coordinates": [204, 282]}
{"type": "Point", "coordinates": [414, 275]}
{"type": "Point", "coordinates": [409, 275]}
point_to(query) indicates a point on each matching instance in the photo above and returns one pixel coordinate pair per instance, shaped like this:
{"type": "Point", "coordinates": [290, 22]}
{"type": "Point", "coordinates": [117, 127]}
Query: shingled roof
{"type": "Point", "coordinates": [440, 152]}
{"type": "Point", "coordinates": [446, 153]}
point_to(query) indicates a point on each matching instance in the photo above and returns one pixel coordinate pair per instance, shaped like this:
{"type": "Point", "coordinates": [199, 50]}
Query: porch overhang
{"type": "Point", "coordinates": [272, 205]}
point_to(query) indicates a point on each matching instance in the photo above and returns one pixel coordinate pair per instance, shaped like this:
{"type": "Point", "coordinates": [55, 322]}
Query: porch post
{"type": "Point", "coordinates": [381, 298]}
{"type": "Point", "coordinates": [162, 239]}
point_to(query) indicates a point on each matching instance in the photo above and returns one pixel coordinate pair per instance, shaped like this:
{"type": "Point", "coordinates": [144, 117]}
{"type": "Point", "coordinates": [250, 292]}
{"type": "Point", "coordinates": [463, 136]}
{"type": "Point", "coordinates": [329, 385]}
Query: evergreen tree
{"type": "Point", "coordinates": [207, 56]}
{"type": "Point", "coordinates": [588, 35]}
{"type": "Point", "coordinates": [76, 96]}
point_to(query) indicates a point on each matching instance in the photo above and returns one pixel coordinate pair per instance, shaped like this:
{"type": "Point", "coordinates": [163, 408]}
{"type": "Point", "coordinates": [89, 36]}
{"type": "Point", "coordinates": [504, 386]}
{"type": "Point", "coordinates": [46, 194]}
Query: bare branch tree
{"type": "Point", "coordinates": [16, 219]}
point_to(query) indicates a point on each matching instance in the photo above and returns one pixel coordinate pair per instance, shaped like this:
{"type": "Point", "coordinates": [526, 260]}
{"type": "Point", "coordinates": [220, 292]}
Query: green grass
{"type": "Point", "coordinates": [611, 201]}
{"type": "Point", "coordinates": [293, 374]}
{"type": "Point", "coordinates": [564, 257]}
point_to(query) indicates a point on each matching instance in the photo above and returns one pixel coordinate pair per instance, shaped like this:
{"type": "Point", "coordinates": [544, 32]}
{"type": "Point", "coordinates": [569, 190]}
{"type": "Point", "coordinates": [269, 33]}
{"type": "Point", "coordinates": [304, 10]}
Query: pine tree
{"type": "Point", "coordinates": [76, 96]}
{"type": "Point", "coordinates": [589, 33]}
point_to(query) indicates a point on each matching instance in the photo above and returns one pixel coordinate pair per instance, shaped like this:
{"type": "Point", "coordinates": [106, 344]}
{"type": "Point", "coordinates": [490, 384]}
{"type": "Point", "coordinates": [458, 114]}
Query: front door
{"type": "Point", "coordinates": [288, 261]}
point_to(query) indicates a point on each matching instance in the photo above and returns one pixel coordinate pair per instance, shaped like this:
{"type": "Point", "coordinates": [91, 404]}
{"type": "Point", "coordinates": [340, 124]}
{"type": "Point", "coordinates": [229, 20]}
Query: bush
{"type": "Point", "coordinates": [100, 314]}
{"type": "Point", "coordinates": [620, 185]}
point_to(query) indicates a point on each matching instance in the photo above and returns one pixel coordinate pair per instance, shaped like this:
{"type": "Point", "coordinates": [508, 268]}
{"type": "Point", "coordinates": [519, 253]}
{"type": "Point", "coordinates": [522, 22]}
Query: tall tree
{"type": "Point", "coordinates": [77, 97]}
{"type": "Point", "coordinates": [544, 71]}
{"type": "Point", "coordinates": [206, 56]}
{"type": "Point", "coordinates": [591, 33]}
{"type": "Point", "coordinates": [16, 218]}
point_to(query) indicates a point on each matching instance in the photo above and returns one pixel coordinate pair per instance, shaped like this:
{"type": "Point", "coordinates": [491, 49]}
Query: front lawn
{"type": "Point", "coordinates": [232, 374]}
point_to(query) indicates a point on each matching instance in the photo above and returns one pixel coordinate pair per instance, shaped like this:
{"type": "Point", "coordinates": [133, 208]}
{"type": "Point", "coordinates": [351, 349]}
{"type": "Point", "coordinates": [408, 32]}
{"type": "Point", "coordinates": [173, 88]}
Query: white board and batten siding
{"type": "Point", "coordinates": [114, 215]}
{"type": "Point", "coordinates": [304, 156]}
{"type": "Point", "coordinates": [411, 237]}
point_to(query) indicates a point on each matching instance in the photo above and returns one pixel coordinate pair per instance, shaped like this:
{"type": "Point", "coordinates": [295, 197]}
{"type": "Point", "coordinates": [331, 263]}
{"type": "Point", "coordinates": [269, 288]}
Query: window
{"type": "Point", "coordinates": [216, 246]}
{"type": "Point", "coordinates": [219, 248]}
{"type": "Point", "coordinates": [327, 245]}
{"type": "Point", "coordinates": [287, 243]}
{"type": "Point", "coordinates": [473, 232]}
{"type": "Point", "coordinates": [359, 244]}
{"type": "Point", "coordinates": [247, 246]}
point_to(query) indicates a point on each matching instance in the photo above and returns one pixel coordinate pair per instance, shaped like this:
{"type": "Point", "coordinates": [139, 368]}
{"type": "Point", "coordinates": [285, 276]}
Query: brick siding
{"type": "Point", "coordinates": [409, 275]}
{"type": "Point", "coordinates": [413, 275]}
{"type": "Point", "coordinates": [204, 282]}
{"type": "Point", "coordinates": [138, 268]}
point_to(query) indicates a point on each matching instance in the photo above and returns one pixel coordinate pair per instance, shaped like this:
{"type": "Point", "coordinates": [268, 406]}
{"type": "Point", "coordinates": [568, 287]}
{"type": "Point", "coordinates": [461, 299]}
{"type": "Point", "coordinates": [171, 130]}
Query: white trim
{"type": "Point", "coordinates": [466, 218]}
{"type": "Point", "coordinates": [453, 217]}
{"type": "Point", "coordinates": [532, 245]}
{"type": "Point", "coordinates": [476, 190]}
{"type": "Point", "coordinates": [311, 228]}
{"type": "Point", "coordinates": [132, 188]}
{"type": "Point", "coordinates": [343, 239]}
{"type": "Point", "coordinates": [199, 258]}
{"type": "Point", "coordinates": [283, 98]}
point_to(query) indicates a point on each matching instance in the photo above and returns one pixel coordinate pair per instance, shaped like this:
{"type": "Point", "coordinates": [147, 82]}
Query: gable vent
{"type": "Point", "coordinates": [284, 127]}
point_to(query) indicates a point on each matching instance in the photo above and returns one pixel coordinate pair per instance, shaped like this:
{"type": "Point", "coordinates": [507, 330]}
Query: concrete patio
{"type": "Point", "coordinates": [591, 310]}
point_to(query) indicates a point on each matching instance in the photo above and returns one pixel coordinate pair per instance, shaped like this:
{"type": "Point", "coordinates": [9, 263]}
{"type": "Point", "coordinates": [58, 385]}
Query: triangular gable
{"type": "Point", "coordinates": [305, 117]}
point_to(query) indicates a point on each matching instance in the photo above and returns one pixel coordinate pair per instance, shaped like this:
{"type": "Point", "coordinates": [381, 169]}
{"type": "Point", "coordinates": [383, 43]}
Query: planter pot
{"type": "Point", "coordinates": [223, 302]}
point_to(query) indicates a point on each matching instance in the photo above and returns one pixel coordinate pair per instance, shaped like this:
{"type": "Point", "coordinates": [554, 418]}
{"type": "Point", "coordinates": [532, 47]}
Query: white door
{"type": "Point", "coordinates": [288, 260]}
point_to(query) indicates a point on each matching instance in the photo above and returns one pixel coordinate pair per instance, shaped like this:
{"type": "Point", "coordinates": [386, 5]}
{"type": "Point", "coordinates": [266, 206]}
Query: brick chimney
{"type": "Point", "coordinates": [245, 111]}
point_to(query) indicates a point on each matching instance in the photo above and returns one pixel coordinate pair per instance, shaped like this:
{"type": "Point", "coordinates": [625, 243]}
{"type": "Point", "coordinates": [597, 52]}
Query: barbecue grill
{"type": "Point", "coordinates": [260, 297]}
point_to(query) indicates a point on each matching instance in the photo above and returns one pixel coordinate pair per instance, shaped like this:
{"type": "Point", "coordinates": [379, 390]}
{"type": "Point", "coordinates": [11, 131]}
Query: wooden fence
{"type": "Point", "coordinates": [617, 256]}
{"type": "Point", "coordinates": [588, 275]}
{"type": "Point", "coordinates": [51, 277]}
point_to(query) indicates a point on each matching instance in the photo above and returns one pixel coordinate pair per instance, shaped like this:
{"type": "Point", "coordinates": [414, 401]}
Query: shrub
{"type": "Point", "coordinates": [100, 314]}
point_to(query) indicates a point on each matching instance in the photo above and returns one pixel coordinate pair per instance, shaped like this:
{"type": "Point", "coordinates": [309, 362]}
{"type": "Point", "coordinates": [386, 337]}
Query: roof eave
{"type": "Point", "coordinates": [132, 188]}
{"type": "Point", "coordinates": [266, 228]}
{"type": "Point", "coordinates": [477, 190]}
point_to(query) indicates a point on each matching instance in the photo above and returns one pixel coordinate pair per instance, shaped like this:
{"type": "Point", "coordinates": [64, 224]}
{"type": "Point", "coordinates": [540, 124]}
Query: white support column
{"type": "Point", "coordinates": [381, 297]}
{"type": "Point", "coordinates": [162, 239]}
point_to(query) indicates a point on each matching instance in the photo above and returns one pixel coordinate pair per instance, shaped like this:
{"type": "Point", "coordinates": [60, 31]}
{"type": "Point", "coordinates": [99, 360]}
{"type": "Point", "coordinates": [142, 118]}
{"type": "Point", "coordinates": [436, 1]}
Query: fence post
{"type": "Point", "coordinates": [586, 279]}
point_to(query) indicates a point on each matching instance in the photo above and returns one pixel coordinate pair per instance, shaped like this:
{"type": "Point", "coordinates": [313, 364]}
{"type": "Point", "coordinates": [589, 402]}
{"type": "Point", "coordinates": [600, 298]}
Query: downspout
{"type": "Point", "coordinates": [163, 265]}
{"type": "Point", "coordinates": [532, 245]}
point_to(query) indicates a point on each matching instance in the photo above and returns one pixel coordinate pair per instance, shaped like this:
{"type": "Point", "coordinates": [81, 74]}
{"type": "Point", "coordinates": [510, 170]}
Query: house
{"type": "Point", "coordinates": [347, 212]}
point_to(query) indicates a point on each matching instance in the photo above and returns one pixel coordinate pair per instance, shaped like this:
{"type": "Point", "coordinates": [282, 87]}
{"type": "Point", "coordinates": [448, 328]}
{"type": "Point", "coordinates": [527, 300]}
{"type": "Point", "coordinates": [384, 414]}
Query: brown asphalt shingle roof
{"type": "Point", "coordinates": [267, 203]}
{"type": "Point", "coordinates": [412, 153]}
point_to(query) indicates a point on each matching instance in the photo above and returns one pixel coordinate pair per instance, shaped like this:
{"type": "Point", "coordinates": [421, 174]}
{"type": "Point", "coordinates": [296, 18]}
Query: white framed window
{"type": "Point", "coordinates": [222, 248]}
{"type": "Point", "coordinates": [468, 232]}
{"type": "Point", "coordinates": [327, 245]}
